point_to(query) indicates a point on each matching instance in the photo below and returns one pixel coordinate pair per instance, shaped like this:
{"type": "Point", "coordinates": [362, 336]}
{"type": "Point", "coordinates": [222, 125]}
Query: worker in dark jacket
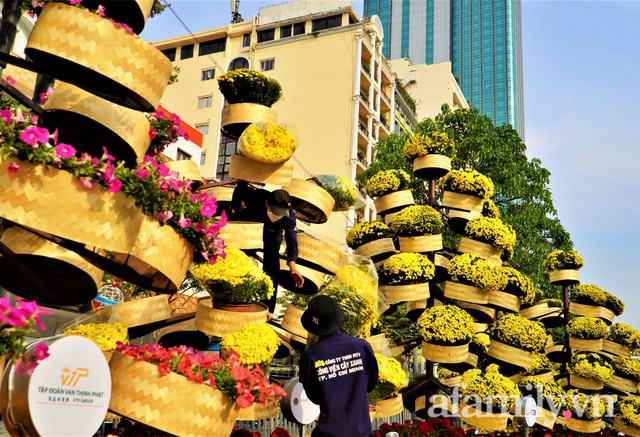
{"type": "Point", "coordinates": [337, 373]}
{"type": "Point", "coordinates": [273, 209]}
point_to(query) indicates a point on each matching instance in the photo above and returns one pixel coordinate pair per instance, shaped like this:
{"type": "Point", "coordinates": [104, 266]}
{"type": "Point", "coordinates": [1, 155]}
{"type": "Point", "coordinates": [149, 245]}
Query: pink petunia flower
{"type": "Point", "coordinates": [13, 168]}
{"type": "Point", "coordinates": [87, 182]}
{"type": "Point", "coordinates": [41, 352]}
{"type": "Point", "coordinates": [101, 10]}
{"type": "Point", "coordinates": [25, 366]}
{"type": "Point", "coordinates": [7, 115]}
{"type": "Point", "coordinates": [143, 172]}
{"type": "Point", "coordinates": [152, 132]}
{"type": "Point", "coordinates": [65, 151]}
{"type": "Point", "coordinates": [208, 208]}
{"type": "Point", "coordinates": [34, 134]}
{"type": "Point", "coordinates": [114, 185]}
{"type": "Point", "coordinates": [164, 216]}
{"type": "Point", "coordinates": [184, 222]}
{"type": "Point", "coordinates": [75, 2]}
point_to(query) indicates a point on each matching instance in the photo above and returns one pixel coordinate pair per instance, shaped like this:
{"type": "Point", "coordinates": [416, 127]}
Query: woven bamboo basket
{"type": "Point", "coordinates": [467, 293]}
{"type": "Point", "coordinates": [217, 322]}
{"type": "Point", "coordinates": [480, 313]}
{"type": "Point", "coordinates": [587, 345]}
{"type": "Point", "coordinates": [259, 412]}
{"type": "Point", "coordinates": [510, 354]}
{"type": "Point", "coordinates": [72, 278]}
{"type": "Point", "coordinates": [404, 293]}
{"type": "Point", "coordinates": [415, 308]}
{"type": "Point", "coordinates": [393, 202]}
{"type": "Point", "coordinates": [505, 301]}
{"type": "Point", "coordinates": [56, 202]}
{"type": "Point", "coordinates": [285, 349]}
{"type": "Point", "coordinates": [480, 327]}
{"type": "Point", "coordinates": [550, 341]}
{"type": "Point", "coordinates": [317, 254]}
{"type": "Point", "coordinates": [483, 250]}
{"type": "Point", "coordinates": [388, 217]}
{"type": "Point", "coordinates": [242, 235]}
{"type": "Point", "coordinates": [141, 311]}
{"type": "Point", "coordinates": [592, 310]}
{"type": "Point", "coordinates": [377, 249]}
{"type": "Point", "coordinates": [586, 426]}
{"type": "Point", "coordinates": [291, 321]}
{"type": "Point", "coordinates": [554, 319]}
{"type": "Point", "coordinates": [311, 202]}
{"type": "Point", "coordinates": [186, 325]}
{"type": "Point", "coordinates": [127, 70]}
{"type": "Point", "coordinates": [545, 417]}
{"type": "Point", "coordinates": [458, 220]}
{"type": "Point", "coordinates": [451, 382]}
{"type": "Point", "coordinates": [389, 407]}
{"type": "Point", "coordinates": [313, 279]}
{"type": "Point", "coordinates": [247, 169]}
{"type": "Point", "coordinates": [445, 354]}
{"type": "Point", "coordinates": [535, 311]}
{"type": "Point", "coordinates": [187, 169]}
{"type": "Point", "coordinates": [235, 118]}
{"type": "Point", "coordinates": [624, 384]}
{"type": "Point", "coordinates": [440, 401]}
{"type": "Point", "coordinates": [584, 383]}
{"type": "Point", "coordinates": [548, 376]}
{"type": "Point", "coordinates": [564, 277]}
{"type": "Point", "coordinates": [625, 428]}
{"type": "Point", "coordinates": [378, 342]}
{"type": "Point", "coordinates": [140, 393]}
{"type": "Point", "coordinates": [515, 378]}
{"type": "Point", "coordinates": [441, 263]}
{"type": "Point", "coordinates": [483, 420]}
{"type": "Point", "coordinates": [132, 13]}
{"type": "Point", "coordinates": [182, 303]}
{"type": "Point", "coordinates": [464, 202]}
{"type": "Point", "coordinates": [557, 353]}
{"type": "Point", "coordinates": [88, 117]}
{"type": "Point", "coordinates": [421, 244]}
{"type": "Point", "coordinates": [616, 348]}
{"type": "Point", "coordinates": [431, 166]}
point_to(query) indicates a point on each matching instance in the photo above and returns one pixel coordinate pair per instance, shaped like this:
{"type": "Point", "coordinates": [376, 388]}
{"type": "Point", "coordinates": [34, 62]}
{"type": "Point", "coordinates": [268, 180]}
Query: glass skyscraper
{"type": "Point", "coordinates": [481, 38]}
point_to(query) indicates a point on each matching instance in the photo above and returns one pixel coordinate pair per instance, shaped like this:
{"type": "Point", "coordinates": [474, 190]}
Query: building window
{"type": "Point", "coordinates": [186, 52]}
{"type": "Point", "coordinates": [267, 35]}
{"type": "Point", "coordinates": [204, 102]}
{"type": "Point", "coordinates": [298, 28]}
{"type": "Point", "coordinates": [285, 31]}
{"type": "Point", "coordinates": [208, 74]}
{"type": "Point", "coordinates": [238, 63]}
{"type": "Point", "coordinates": [246, 40]}
{"type": "Point", "coordinates": [228, 148]}
{"type": "Point", "coordinates": [203, 158]}
{"type": "Point", "coordinates": [182, 155]}
{"type": "Point", "coordinates": [203, 128]}
{"type": "Point", "coordinates": [267, 64]}
{"type": "Point", "coordinates": [170, 53]}
{"type": "Point", "coordinates": [215, 46]}
{"type": "Point", "coordinates": [326, 23]}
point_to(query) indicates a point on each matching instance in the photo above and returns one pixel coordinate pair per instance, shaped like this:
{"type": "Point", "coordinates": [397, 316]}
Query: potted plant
{"type": "Point", "coordinates": [250, 95]}
{"type": "Point", "coordinates": [391, 189]}
{"type": "Point", "coordinates": [419, 229]}
{"type": "Point", "coordinates": [586, 411]}
{"type": "Point", "coordinates": [586, 333]}
{"type": "Point", "coordinates": [589, 371]}
{"type": "Point", "coordinates": [487, 238]}
{"type": "Point", "coordinates": [446, 331]}
{"type": "Point", "coordinates": [541, 367]}
{"type": "Point", "coordinates": [621, 339]}
{"type": "Point", "coordinates": [164, 129]}
{"type": "Point", "coordinates": [458, 219]}
{"type": "Point", "coordinates": [105, 335]}
{"type": "Point", "coordinates": [448, 377]}
{"type": "Point", "coordinates": [517, 291]}
{"type": "Point", "coordinates": [373, 239]}
{"type": "Point", "coordinates": [471, 278]}
{"type": "Point", "coordinates": [563, 266]}
{"type": "Point", "coordinates": [405, 277]}
{"type": "Point", "coordinates": [267, 143]}
{"type": "Point", "coordinates": [256, 345]}
{"type": "Point", "coordinates": [626, 374]}
{"type": "Point", "coordinates": [627, 419]}
{"type": "Point", "coordinates": [465, 189]}
{"type": "Point", "coordinates": [549, 397]}
{"type": "Point", "coordinates": [391, 379]}
{"type": "Point", "coordinates": [514, 339]}
{"type": "Point", "coordinates": [430, 153]}
{"type": "Point", "coordinates": [341, 188]}
{"type": "Point", "coordinates": [591, 300]}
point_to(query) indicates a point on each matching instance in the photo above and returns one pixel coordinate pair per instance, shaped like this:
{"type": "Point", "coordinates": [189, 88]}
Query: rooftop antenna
{"type": "Point", "coordinates": [235, 13]}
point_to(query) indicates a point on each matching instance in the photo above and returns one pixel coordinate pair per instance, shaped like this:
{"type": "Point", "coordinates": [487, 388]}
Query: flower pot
{"type": "Point", "coordinates": [317, 254]}
{"type": "Point", "coordinates": [249, 170]}
{"type": "Point", "coordinates": [624, 384]}
{"type": "Point", "coordinates": [458, 220]}
{"type": "Point", "coordinates": [259, 412]}
{"type": "Point", "coordinates": [504, 301]}
{"type": "Point", "coordinates": [441, 263]}
{"type": "Point", "coordinates": [377, 250]}
{"type": "Point", "coordinates": [421, 244]}
{"type": "Point", "coordinates": [140, 393]}
{"type": "Point", "coordinates": [616, 348]}
{"type": "Point", "coordinates": [467, 293]}
{"type": "Point", "coordinates": [125, 70]}
{"type": "Point", "coordinates": [378, 342]}
{"type": "Point", "coordinates": [217, 322]}
{"type": "Point", "coordinates": [584, 383]}
{"type": "Point", "coordinates": [557, 353]}
{"type": "Point", "coordinates": [393, 202]}
{"type": "Point", "coordinates": [586, 426]}
{"type": "Point", "coordinates": [389, 407]}
{"type": "Point", "coordinates": [404, 293]}
{"type": "Point", "coordinates": [464, 202]}
{"type": "Point", "coordinates": [451, 382]}
{"type": "Point", "coordinates": [626, 428]}
{"type": "Point", "coordinates": [480, 313]}
{"type": "Point", "coordinates": [311, 202]}
{"type": "Point", "coordinates": [291, 321]}
{"type": "Point", "coordinates": [438, 401]}
{"type": "Point", "coordinates": [133, 13]}
{"type": "Point", "coordinates": [510, 354]}
{"type": "Point", "coordinates": [592, 310]}
{"type": "Point", "coordinates": [235, 118]}
{"type": "Point", "coordinates": [242, 235]}
{"type": "Point", "coordinates": [483, 420]}
{"type": "Point", "coordinates": [313, 279]}
{"type": "Point", "coordinates": [431, 166]}
{"type": "Point", "coordinates": [564, 277]}
{"type": "Point", "coordinates": [554, 319]}
{"type": "Point", "coordinates": [445, 353]}
{"type": "Point", "coordinates": [186, 169]}
{"type": "Point", "coordinates": [140, 311]}
{"type": "Point", "coordinates": [233, 307]}
{"type": "Point", "coordinates": [535, 311]}
{"type": "Point", "coordinates": [545, 417]}
{"type": "Point", "coordinates": [587, 345]}
{"type": "Point", "coordinates": [415, 308]}
{"type": "Point", "coordinates": [483, 250]}
{"type": "Point", "coordinates": [480, 327]}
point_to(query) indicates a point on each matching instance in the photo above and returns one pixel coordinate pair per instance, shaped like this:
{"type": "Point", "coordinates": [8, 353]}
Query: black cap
{"type": "Point", "coordinates": [323, 316]}
{"type": "Point", "coordinates": [280, 202]}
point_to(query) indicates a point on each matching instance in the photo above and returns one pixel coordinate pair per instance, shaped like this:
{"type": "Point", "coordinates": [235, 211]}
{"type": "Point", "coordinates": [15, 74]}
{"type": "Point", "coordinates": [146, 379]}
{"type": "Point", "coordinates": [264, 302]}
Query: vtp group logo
{"type": "Point", "coordinates": [70, 378]}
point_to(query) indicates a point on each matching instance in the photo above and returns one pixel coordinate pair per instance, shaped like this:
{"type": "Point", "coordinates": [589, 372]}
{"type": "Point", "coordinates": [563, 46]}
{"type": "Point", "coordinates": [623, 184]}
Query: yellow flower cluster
{"type": "Point", "coordinates": [417, 220]}
{"type": "Point", "coordinates": [481, 341]}
{"type": "Point", "coordinates": [340, 188]}
{"type": "Point", "coordinates": [234, 279]}
{"type": "Point", "coordinates": [614, 304]}
{"type": "Point", "coordinates": [105, 335]}
{"type": "Point", "coordinates": [585, 407]}
{"type": "Point", "coordinates": [267, 143]}
{"type": "Point", "coordinates": [489, 209]}
{"type": "Point", "coordinates": [358, 278]}
{"type": "Point", "coordinates": [519, 285]}
{"type": "Point", "coordinates": [446, 324]}
{"type": "Point", "coordinates": [591, 366]}
{"type": "Point", "coordinates": [360, 309]}
{"type": "Point", "coordinates": [256, 344]}
{"type": "Point", "coordinates": [549, 391]}
{"type": "Point", "coordinates": [472, 270]}
{"type": "Point", "coordinates": [626, 367]}
{"type": "Point", "coordinates": [563, 259]}
{"type": "Point", "coordinates": [553, 303]}
{"type": "Point", "coordinates": [594, 295]}
{"type": "Point", "coordinates": [624, 334]}
{"type": "Point", "coordinates": [430, 143]}
{"type": "Point", "coordinates": [491, 231]}
{"type": "Point", "coordinates": [366, 232]}
{"type": "Point", "coordinates": [519, 332]}
{"type": "Point", "coordinates": [587, 328]}
{"type": "Point", "coordinates": [541, 364]}
{"type": "Point", "coordinates": [444, 373]}
{"type": "Point", "coordinates": [491, 388]}
{"type": "Point", "coordinates": [467, 182]}
{"type": "Point", "coordinates": [406, 268]}
{"type": "Point", "coordinates": [388, 181]}
{"type": "Point", "coordinates": [629, 411]}
{"type": "Point", "coordinates": [244, 85]}
{"type": "Point", "coordinates": [392, 378]}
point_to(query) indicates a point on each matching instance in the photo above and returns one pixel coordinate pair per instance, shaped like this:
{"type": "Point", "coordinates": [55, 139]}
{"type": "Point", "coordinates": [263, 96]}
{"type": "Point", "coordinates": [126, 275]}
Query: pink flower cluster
{"type": "Point", "coordinates": [165, 129]}
{"type": "Point", "coordinates": [250, 386]}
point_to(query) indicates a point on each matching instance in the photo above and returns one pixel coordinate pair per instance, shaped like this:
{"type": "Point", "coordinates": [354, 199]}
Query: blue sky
{"type": "Point", "coordinates": [581, 59]}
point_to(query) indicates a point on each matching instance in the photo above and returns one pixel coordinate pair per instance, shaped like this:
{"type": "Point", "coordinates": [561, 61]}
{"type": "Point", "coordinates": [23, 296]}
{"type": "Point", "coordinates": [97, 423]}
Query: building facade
{"type": "Point", "coordinates": [481, 38]}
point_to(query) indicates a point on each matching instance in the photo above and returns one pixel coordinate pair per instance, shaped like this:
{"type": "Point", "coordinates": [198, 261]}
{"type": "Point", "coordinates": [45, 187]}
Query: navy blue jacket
{"type": "Point", "coordinates": [337, 373]}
